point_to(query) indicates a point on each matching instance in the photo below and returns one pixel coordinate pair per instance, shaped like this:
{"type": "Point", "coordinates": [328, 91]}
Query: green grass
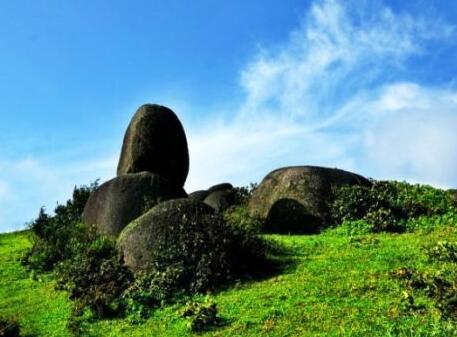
{"type": "Point", "coordinates": [332, 286]}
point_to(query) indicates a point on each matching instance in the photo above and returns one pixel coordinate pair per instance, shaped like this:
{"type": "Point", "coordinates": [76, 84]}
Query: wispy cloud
{"type": "Point", "coordinates": [29, 183]}
{"type": "Point", "coordinates": [336, 93]}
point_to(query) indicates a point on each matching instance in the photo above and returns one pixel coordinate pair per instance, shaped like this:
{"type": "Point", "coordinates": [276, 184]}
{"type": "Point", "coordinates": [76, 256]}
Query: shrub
{"type": "Point", "coordinates": [95, 277]}
{"type": "Point", "coordinates": [240, 217]}
{"type": "Point", "coordinates": [389, 206]}
{"type": "Point", "coordinates": [201, 315]}
{"type": "Point", "coordinates": [192, 250]}
{"type": "Point", "coordinates": [442, 251]}
{"type": "Point", "coordinates": [57, 237]}
{"type": "Point", "coordinates": [440, 286]}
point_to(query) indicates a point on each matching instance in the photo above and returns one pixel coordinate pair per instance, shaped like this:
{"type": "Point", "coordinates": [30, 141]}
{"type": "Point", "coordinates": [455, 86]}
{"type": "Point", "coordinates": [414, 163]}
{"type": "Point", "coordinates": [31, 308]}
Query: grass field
{"type": "Point", "coordinates": [332, 285]}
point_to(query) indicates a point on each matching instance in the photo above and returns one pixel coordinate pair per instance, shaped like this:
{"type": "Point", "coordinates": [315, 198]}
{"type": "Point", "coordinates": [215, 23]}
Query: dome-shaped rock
{"type": "Point", "coordinates": [155, 142]}
{"type": "Point", "coordinates": [168, 222]}
{"type": "Point", "coordinates": [290, 195]}
{"type": "Point", "coordinates": [117, 202]}
{"type": "Point", "coordinates": [199, 195]}
{"type": "Point", "coordinates": [220, 187]}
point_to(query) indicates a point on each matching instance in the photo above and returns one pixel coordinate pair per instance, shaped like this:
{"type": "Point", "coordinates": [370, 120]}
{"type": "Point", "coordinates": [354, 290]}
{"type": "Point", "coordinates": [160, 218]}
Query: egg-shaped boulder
{"type": "Point", "coordinates": [115, 203]}
{"type": "Point", "coordinates": [289, 196]}
{"type": "Point", "coordinates": [155, 141]}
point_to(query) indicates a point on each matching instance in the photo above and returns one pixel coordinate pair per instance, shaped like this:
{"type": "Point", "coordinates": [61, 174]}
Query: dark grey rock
{"type": "Point", "coordinates": [155, 142]}
{"type": "Point", "coordinates": [166, 221]}
{"type": "Point", "coordinates": [278, 197]}
{"type": "Point", "coordinates": [199, 195]}
{"type": "Point", "coordinates": [120, 200]}
{"type": "Point", "coordinates": [220, 187]}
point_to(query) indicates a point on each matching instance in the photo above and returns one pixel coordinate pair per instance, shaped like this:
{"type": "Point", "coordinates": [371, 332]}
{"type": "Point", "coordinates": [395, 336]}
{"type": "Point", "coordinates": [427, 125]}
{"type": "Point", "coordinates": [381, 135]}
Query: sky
{"type": "Point", "coordinates": [365, 86]}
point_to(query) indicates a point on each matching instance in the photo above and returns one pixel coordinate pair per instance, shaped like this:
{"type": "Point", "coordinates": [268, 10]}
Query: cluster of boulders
{"type": "Point", "coordinates": [153, 168]}
{"type": "Point", "coordinates": [148, 193]}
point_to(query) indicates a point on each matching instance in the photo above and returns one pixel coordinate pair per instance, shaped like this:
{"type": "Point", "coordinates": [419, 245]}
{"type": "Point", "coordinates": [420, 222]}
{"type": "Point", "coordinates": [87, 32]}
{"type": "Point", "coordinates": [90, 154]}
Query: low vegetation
{"type": "Point", "coordinates": [388, 206]}
{"type": "Point", "coordinates": [385, 268]}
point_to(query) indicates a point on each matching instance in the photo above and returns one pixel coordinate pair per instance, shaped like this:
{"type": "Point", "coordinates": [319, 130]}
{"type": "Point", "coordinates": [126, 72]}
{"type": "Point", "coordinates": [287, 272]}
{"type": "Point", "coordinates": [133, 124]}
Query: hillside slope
{"type": "Point", "coordinates": [333, 285]}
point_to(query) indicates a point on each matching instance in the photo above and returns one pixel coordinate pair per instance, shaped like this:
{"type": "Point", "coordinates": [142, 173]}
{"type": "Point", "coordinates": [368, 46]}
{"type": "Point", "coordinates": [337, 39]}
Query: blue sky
{"type": "Point", "coordinates": [367, 86]}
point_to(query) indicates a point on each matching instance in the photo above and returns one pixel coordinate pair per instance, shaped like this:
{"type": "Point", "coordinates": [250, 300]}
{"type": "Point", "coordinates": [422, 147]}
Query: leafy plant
{"type": "Point", "coordinates": [201, 315]}
{"type": "Point", "coordinates": [389, 206]}
{"type": "Point", "coordinates": [57, 237]}
{"type": "Point", "coordinates": [442, 251]}
{"type": "Point", "coordinates": [240, 217]}
{"type": "Point", "coordinates": [95, 277]}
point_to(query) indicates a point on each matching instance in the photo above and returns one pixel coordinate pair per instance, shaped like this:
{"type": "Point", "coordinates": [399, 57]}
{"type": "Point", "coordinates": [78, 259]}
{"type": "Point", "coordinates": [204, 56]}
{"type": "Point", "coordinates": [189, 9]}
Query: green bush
{"type": "Point", "coordinates": [240, 217]}
{"type": "Point", "coordinates": [201, 315]}
{"type": "Point", "coordinates": [95, 277]}
{"type": "Point", "coordinates": [442, 251]}
{"type": "Point", "coordinates": [195, 256]}
{"type": "Point", "coordinates": [389, 206]}
{"type": "Point", "coordinates": [206, 254]}
{"type": "Point", "coordinates": [57, 237]}
{"type": "Point", "coordinates": [440, 286]}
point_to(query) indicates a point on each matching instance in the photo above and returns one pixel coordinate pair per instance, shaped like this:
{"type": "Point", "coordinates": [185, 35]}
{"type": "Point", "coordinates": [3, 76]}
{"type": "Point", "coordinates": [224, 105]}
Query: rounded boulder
{"type": "Point", "coordinates": [117, 202]}
{"type": "Point", "coordinates": [292, 197]}
{"type": "Point", "coordinates": [180, 222]}
{"type": "Point", "coordinates": [155, 141]}
{"type": "Point", "coordinates": [221, 200]}
{"type": "Point", "coordinates": [220, 187]}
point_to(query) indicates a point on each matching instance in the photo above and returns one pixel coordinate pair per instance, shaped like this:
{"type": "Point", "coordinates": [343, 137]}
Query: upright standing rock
{"type": "Point", "coordinates": [155, 142]}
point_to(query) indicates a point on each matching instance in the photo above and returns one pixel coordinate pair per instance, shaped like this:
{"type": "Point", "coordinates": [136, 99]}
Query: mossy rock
{"type": "Point", "coordinates": [117, 202]}
{"type": "Point", "coordinates": [165, 225]}
{"type": "Point", "coordinates": [290, 195]}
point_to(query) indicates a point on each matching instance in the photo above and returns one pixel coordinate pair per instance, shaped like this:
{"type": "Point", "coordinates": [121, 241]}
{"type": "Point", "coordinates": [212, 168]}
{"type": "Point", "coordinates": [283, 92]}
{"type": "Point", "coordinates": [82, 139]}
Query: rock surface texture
{"type": "Point", "coordinates": [155, 142]}
{"type": "Point", "coordinates": [120, 200]}
{"type": "Point", "coordinates": [199, 195]}
{"type": "Point", "coordinates": [221, 200]}
{"type": "Point", "coordinates": [295, 199]}
{"type": "Point", "coordinates": [165, 223]}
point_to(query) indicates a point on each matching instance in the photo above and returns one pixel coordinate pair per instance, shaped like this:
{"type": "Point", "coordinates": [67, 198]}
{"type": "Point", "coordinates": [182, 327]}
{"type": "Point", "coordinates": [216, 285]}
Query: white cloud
{"type": "Point", "coordinates": [30, 183]}
{"type": "Point", "coordinates": [322, 98]}
{"type": "Point", "coordinates": [333, 94]}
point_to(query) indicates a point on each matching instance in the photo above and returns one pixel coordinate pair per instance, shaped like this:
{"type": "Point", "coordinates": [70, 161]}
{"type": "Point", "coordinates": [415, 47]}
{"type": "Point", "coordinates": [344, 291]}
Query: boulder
{"type": "Point", "coordinates": [155, 142]}
{"type": "Point", "coordinates": [220, 187]}
{"type": "Point", "coordinates": [290, 196]}
{"type": "Point", "coordinates": [199, 195]}
{"type": "Point", "coordinates": [165, 223]}
{"type": "Point", "coordinates": [118, 201]}
{"type": "Point", "coordinates": [221, 200]}
{"type": "Point", "coordinates": [289, 216]}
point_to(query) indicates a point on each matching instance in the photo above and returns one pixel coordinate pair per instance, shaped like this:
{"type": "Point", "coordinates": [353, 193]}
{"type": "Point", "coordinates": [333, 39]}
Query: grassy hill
{"type": "Point", "coordinates": [333, 285]}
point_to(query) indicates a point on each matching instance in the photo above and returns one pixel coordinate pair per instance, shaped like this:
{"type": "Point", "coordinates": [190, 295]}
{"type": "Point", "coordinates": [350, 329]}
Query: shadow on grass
{"type": "Point", "coordinates": [10, 327]}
